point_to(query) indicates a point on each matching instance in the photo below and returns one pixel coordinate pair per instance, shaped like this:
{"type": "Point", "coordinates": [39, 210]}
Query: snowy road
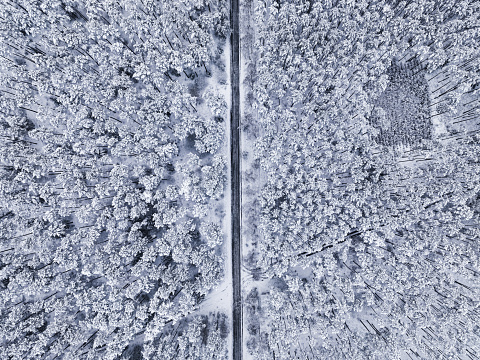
{"type": "Point", "coordinates": [235, 178]}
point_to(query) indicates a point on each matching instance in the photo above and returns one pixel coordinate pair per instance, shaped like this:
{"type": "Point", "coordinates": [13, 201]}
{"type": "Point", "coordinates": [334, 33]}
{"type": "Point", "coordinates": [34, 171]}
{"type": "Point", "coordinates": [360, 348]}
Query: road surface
{"type": "Point", "coordinates": [235, 176]}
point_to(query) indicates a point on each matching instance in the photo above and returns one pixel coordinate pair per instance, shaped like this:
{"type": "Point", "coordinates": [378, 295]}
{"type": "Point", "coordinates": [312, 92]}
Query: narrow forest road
{"type": "Point", "coordinates": [235, 176]}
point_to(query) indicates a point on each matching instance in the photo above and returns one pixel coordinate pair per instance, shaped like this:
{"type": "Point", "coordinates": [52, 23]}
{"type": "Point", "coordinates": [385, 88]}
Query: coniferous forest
{"type": "Point", "coordinates": [241, 179]}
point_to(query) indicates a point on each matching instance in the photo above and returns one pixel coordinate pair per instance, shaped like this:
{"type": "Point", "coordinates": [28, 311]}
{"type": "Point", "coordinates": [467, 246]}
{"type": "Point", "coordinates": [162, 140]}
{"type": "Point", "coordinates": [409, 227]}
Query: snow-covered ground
{"type": "Point", "coordinates": [220, 299]}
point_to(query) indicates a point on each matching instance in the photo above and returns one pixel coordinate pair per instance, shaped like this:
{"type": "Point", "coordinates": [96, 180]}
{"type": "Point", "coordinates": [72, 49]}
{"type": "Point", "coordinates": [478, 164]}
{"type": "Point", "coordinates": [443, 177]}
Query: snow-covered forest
{"type": "Point", "coordinates": [362, 179]}
{"type": "Point", "coordinates": [112, 169]}
{"type": "Point", "coordinates": [351, 185]}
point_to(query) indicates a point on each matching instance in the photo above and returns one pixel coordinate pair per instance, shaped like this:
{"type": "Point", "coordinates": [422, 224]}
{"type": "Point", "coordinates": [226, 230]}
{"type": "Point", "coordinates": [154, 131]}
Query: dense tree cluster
{"type": "Point", "coordinates": [203, 337]}
{"type": "Point", "coordinates": [111, 172]}
{"type": "Point", "coordinates": [402, 111]}
{"type": "Point", "coordinates": [367, 220]}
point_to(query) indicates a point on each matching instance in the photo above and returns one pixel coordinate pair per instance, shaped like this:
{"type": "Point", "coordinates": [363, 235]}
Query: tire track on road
{"type": "Point", "coordinates": [235, 180]}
